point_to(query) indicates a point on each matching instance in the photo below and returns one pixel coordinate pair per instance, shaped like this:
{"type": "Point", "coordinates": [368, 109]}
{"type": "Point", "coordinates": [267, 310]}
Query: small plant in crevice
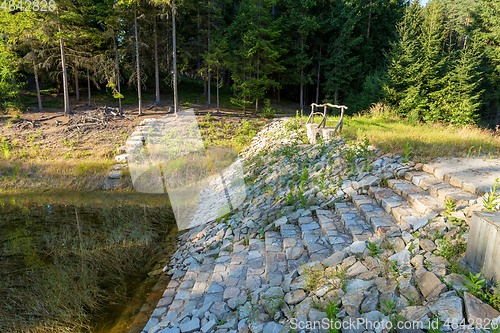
{"type": "Point", "coordinates": [474, 283]}
{"type": "Point", "coordinates": [331, 313]}
{"type": "Point", "coordinates": [373, 248]}
{"type": "Point", "coordinates": [450, 205]}
{"type": "Point", "coordinates": [490, 201]}
{"type": "Point", "coordinates": [388, 308]}
{"type": "Point", "coordinates": [453, 250]}
{"type": "Point", "coordinates": [436, 325]}
{"type": "Point", "coordinates": [408, 150]}
{"type": "Point", "coordinates": [384, 182]}
{"type": "Point", "coordinates": [494, 328]}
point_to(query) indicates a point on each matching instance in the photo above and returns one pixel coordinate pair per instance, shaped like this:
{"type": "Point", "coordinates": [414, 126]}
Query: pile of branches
{"type": "Point", "coordinates": [101, 115]}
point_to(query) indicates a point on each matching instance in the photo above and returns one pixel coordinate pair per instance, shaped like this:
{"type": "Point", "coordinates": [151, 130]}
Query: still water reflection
{"type": "Point", "coordinates": [79, 262]}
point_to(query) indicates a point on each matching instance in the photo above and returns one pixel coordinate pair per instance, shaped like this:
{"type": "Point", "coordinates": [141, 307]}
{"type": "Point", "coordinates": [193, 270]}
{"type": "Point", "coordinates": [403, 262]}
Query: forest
{"type": "Point", "coordinates": [432, 63]}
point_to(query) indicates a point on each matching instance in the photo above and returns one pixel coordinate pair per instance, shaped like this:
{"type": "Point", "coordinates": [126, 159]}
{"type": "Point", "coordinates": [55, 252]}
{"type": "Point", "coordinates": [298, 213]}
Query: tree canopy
{"type": "Point", "coordinates": [432, 63]}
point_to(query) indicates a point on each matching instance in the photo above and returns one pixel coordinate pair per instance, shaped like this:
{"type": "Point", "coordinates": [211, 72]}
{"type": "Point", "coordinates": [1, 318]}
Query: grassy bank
{"type": "Point", "coordinates": [37, 160]}
{"type": "Point", "coordinates": [65, 266]}
{"type": "Point", "coordinates": [421, 142]}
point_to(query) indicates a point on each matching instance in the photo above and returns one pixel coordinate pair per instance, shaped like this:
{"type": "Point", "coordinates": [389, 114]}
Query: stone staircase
{"type": "Point", "coordinates": [229, 274]}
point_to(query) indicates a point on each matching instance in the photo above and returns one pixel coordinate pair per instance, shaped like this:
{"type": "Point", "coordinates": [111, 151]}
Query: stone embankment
{"type": "Point", "coordinates": [332, 223]}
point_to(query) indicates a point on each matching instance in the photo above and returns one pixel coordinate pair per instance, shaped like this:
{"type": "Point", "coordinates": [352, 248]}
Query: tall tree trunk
{"type": "Point", "coordinates": [198, 44]}
{"type": "Point", "coordinates": [336, 98]}
{"type": "Point", "coordinates": [218, 108]}
{"type": "Point", "coordinates": [36, 78]}
{"type": "Point", "coordinates": [301, 78]}
{"type": "Point", "coordinates": [137, 60]}
{"type": "Point", "coordinates": [369, 21]}
{"type": "Point", "coordinates": [157, 73]}
{"type": "Point", "coordinates": [497, 120]}
{"type": "Point", "coordinates": [88, 83]}
{"type": "Point", "coordinates": [58, 85]}
{"type": "Point", "coordinates": [77, 86]}
{"type": "Point", "coordinates": [118, 76]}
{"type": "Point", "coordinates": [301, 94]}
{"type": "Point", "coordinates": [317, 83]}
{"type": "Point", "coordinates": [65, 76]}
{"type": "Point", "coordinates": [174, 58]}
{"type": "Point", "coordinates": [257, 97]}
{"type": "Point", "coordinates": [208, 49]}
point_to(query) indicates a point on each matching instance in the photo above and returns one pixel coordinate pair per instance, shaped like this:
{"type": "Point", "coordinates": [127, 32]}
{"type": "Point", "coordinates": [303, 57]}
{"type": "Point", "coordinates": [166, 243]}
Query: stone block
{"type": "Point", "coordinates": [483, 246]}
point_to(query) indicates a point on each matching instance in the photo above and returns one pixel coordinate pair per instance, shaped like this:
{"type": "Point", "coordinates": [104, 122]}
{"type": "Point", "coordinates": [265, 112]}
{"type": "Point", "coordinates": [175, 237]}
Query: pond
{"type": "Point", "coordinates": [79, 262]}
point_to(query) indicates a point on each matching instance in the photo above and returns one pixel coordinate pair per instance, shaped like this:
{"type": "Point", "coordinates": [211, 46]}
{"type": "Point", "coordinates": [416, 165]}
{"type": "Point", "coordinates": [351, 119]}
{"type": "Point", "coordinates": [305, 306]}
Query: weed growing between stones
{"type": "Point", "coordinates": [490, 201]}
{"type": "Point", "coordinates": [453, 250]}
{"type": "Point", "coordinates": [373, 248]}
{"type": "Point", "coordinates": [331, 313]}
{"type": "Point", "coordinates": [317, 276]}
{"type": "Point", "coordinates": [450, 205]}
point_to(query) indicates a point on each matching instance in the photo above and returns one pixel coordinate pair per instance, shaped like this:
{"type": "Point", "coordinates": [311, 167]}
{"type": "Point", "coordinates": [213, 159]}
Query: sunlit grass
{"type": "Point", "coordinates": [427, 141]}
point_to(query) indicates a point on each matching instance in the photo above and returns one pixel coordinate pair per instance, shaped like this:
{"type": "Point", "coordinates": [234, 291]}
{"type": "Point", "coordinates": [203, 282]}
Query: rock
{"type": "Point", "coordinates": [351, 302]}
{"type": "Point", "coordinates": [294, 253]}
{"type": "Point", "coordinates": [334, 296]}
{"type": "Point", "coordinates": [449, 309]}
{"type": "Point", "coordinates": [401, 303]}
{"type": "Point", "coordinates": [356, 269]}
{"type": "Point", "coordinates": [211, 325]}
{"type": "Point", "coordinates": [407, 237]}
{"type": "Point", "coordinates": [385, 299]}
{"type": "Point", "coordinates": [272, 327]}
{"type": "Point", "coordinates": [427, 245]}
{"type": "Point", "coordinates": [302, 309]}
{"type": "Point", "coordinates": [321, 291]}
{"type": "Point", "coordinates": [386, 285]}
{"type": "Point", "coordinates": [375, 321]}
{"type": "Point", "coordinates": [397, 243]}
{"type": "Point", "coordinates": [335, 259]}
{"type": "Point", "coordinates": [317, 316]}
{"type": "Point", "coordinates": [371, 302]}
{"type": "Point", "coordinates": [350, 325]}
{"type": "Point", "coordinates": [115, 174]}
{"type": "Point", "coordinates": [403, 257]}
{"type": "Point", "coordinates": [365, 183]}
{"type": "Point", "coordinates": [422, 222]}
{"type": "Point", "coordinates": [152, 322]}
{"type": "Point", "coordinates": [357, 248]}
{"type": "Point", "coordinates": [457, 282]}
{"type": "Point", "coordinates": [476, 310]}
{"type": "Point", "coordinates": [170, 330]}
{"type": "Point", "coordinates": [430, 286]}
{"type": "Point", "coordinates": [123, 158]}
{"type": "Point", "coordinates": [417, 260]}
{"type": "Point", "coordinates": [412, 293]}
{"type": "Point", "coordinates": [348, 262]}
{"type": "Point", "coordinates": [417, 314]}
{"type": "Point", "coordinates": [272, 299]}
{"type": "Point", "coordinates": [281, 221]}
{"type": "Point", "coordinates": [357, 284]}
{"type": "Point", "coordinates": [295, 297]}
{"type": "Point", "coordinates": [246, 310]}
{"type": "Point", "coordinates": [190, 326]}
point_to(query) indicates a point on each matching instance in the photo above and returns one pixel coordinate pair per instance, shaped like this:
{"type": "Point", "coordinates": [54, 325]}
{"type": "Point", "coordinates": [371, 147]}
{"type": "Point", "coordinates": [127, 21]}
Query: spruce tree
{"type": "Point", "coordinates": [403, 88]}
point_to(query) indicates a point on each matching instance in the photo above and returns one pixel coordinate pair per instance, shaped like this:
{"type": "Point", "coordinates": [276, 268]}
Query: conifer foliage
{"type": "Point", "coordinates": [434, 63]}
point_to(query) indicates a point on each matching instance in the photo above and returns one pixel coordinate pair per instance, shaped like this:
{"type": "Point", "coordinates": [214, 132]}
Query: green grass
{"type": "Point", "coordinates": [427, 141]}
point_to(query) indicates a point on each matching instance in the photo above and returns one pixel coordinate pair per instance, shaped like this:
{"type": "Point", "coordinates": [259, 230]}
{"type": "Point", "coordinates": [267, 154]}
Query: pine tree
{"type": "Point", "coordinates": [255, 50]}
{"type": "Point", "coordinates": [341, 62]}
{"type": "Point", "coordinates": [459, 101]}
{"type": "Point", "coordinates": [403, 89]}
{"type": "Point", "coordinates": [487, 20]}
{"type": "Point", "coordinates": [433, 60]}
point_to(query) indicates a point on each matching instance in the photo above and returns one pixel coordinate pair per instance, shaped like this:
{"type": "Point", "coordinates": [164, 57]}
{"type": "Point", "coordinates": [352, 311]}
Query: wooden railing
{"type": "Point", "coordinates": [340, 122]}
